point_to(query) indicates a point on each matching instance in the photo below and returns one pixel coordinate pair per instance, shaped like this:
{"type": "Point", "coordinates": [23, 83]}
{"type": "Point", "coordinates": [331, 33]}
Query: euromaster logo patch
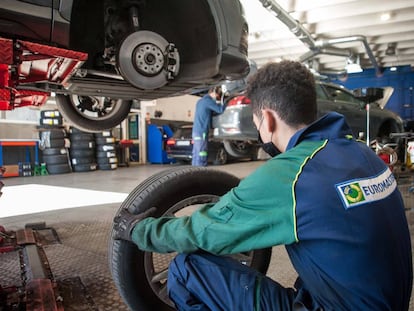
{"type": "Point", "coordinates": [360, 191]}
{"type": "Point", "coordinates": [353, 193]}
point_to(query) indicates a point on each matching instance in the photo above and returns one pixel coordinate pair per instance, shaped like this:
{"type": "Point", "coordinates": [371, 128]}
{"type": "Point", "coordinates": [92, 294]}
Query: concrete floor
{"type": "Point", "coordinates": [84, 230]}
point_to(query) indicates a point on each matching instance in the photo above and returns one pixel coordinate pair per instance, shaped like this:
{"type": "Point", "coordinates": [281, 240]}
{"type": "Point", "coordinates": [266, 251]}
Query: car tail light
{"type": "Point", "coordinates": [239, 100]}
{"type": "Point", "coordinates": [170, 142]}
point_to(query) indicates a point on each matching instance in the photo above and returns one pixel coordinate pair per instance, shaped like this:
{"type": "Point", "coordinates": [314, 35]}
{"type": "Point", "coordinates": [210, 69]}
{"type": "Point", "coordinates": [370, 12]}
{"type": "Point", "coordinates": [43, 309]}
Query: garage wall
{"type": "Point", "coordinates": [18, 130]}
{"type": "Point", "coordinates": [180, 108]}
{"type": "Point", "coordinates": [19, 123]}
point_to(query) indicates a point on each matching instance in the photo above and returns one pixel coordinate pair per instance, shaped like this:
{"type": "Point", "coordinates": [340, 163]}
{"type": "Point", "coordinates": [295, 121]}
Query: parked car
{"type": "Point", "coordinates": [236, 128]}
{"type": "Point", "coordinates": [180, 147]}
{"type": "Point", "coordinates": [100, 55]}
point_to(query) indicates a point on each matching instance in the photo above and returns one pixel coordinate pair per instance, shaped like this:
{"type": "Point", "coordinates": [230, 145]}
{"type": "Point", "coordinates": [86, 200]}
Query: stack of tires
{"type": "Point", "coordinates": [106, 151]}
{"type": "Point", "coordinates": [51, 119]}
{"type": "Point", "coordinates": [53, 143]}
{"type": "Point", "coordinates": [82, 150]}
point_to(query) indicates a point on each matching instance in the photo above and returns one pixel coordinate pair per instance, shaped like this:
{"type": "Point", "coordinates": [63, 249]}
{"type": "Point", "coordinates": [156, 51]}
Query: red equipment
{"type": "Point", "coordinates": [23, 63]}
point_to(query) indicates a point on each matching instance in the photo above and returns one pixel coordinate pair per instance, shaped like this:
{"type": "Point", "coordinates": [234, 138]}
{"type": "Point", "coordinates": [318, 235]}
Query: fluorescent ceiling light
{"type": "Point", "coordinates": [353, 65]}
{"type": "Point", "coordinates": [385, 16]}
{"type": "Point", "coordinates": [353, 68]}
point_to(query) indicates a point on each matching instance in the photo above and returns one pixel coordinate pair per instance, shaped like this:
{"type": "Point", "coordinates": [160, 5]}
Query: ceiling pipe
{"type": "Point", "coordinates": [316, 47]}
{"type": "Point", "coordinates": [328, 51]}
{"type": "Point", "coordinates": [363, 39]}
{"type": "Point", "coordinates": [296, 28]}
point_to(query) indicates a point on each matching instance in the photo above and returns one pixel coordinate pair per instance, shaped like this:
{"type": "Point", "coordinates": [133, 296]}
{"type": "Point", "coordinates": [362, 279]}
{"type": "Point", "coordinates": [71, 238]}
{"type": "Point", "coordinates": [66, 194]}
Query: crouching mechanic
{"type": "Point", "coordinates": [329, 199]}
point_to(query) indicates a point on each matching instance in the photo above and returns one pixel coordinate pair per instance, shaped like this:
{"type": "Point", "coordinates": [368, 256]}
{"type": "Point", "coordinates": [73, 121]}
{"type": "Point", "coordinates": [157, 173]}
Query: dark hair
{"type": "Point", "coordinates": [215, 89]}
{"type": "Point", "coordinates": [288, 88]}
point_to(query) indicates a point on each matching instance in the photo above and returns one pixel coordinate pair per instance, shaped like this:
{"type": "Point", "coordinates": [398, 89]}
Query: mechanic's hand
{"type": "Point", "coordinates": [125, 222]}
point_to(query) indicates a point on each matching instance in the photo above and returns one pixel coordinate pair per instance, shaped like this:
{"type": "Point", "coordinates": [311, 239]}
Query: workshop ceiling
{"type": "Point", "coordinates": [332, 33]}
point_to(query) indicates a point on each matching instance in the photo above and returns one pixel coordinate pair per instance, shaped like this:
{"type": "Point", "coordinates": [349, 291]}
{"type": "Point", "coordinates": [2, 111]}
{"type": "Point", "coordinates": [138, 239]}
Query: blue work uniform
{"type": "Point", "coordinates": [202, 123]}
{"type": "Point", "coordinates": [329, 199]}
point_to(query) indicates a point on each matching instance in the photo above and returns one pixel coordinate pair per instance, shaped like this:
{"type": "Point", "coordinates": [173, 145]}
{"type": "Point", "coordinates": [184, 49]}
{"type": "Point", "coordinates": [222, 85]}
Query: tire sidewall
{"type": "Point", "coordinates": [162, 191]}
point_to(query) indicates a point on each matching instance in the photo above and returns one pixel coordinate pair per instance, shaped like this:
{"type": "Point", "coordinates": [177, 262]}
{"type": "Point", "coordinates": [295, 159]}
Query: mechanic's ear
{"type": "Point", "coordinates": [269, 120]}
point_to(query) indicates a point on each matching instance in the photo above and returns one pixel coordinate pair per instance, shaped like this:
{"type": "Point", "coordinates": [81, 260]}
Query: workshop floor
{"type": "Point", "coordinates": [81, 207]}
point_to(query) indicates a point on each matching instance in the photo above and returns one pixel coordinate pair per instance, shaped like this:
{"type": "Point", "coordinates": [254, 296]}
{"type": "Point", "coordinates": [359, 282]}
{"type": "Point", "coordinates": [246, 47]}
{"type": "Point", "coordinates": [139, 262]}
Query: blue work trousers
{"type": "Point", "coordinates": [205, 282]}
{"type": "Point", "coordinates": [200, 146]}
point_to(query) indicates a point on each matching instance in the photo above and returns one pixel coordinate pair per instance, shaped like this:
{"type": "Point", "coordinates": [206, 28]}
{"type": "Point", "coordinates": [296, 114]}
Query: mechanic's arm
{"type": "Point", "coordinates": [217, 108]}
{"type": "Point", "coordinates": [245, 218]}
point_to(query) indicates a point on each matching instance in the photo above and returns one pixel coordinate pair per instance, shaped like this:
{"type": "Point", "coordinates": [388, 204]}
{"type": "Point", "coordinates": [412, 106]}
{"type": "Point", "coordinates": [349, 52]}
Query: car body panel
{"type": "Point", "coordinates": [34, 20]}
{"type": "Point", "coordinates": [221, 25]}
{"type": "Point", "coordinates": [236, 123]}
{"type": "Point", "coordinates": [195, 44]}
{"type": "Point", "coordinates": [343, 101]}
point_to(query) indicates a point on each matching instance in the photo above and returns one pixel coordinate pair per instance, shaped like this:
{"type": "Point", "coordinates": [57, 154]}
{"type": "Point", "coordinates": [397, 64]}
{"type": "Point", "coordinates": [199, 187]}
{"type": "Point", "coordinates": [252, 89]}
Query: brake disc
{"type": "Point", "coordinates": [147, 60]}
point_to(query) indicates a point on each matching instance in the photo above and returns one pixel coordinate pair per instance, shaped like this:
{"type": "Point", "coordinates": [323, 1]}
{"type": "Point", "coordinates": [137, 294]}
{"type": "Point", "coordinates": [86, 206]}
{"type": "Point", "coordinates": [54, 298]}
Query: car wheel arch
{"type": "Point", "coordinates": [387, 127]}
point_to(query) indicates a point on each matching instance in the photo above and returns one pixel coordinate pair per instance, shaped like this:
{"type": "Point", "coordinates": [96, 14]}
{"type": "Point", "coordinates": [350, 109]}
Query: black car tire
{"type": "Point", "coordinates": [107, 133]}
{"type": "Point", "coordinates": [239, 149]}
{"type": "Point", "coordinates": [52, 134]}
{"type": "Point", "coordinates": [55, 159]}
{"type": "Point", "coordinates": [76, 115]}
{"type": "Point", "coordinates": [388, 127]}
{"type": "Point", "coordinates": [83, 160]}
{"type": "Point", "coordinates": [169, 191]}
{"type": "Point", "coordinates": [82, 153]}
{"type": "Point", "coordinates": [103, 161]}
{"type": "Point", "coordinates": [54, 151]}
{"type": "Point", "coordinates": [82, 136]}
{"type": "Point", "coordinates": [221, 156]}
{"type": "Point", "coordinates": [82, 145]}
{"type": "Point", "coordinates": [84, 167]}
{"type": "Point", "coordinates": [105, 154]}
{"type": "Point", "coordinates": [108, 167]}
{"type": "Point", "coordinates": [55, 143]}
{"type": "Point", "coordinates": [58, 169]}
{"type": "Point", "coordinates": [105, 140]}
{"type": "Point", "coordinates": [105, 148]}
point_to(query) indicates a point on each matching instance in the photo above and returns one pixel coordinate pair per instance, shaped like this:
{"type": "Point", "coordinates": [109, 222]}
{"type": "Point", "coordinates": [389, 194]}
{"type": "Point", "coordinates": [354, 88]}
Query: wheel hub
{"type": "Point", "coordinates": [147, 60]}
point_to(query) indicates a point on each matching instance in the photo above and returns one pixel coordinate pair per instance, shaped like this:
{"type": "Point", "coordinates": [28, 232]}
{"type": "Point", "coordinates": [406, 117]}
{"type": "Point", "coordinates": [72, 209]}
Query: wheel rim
{"type": "Point", "coordinates": [240, 146]}
{"type": "Point", "coordinates": [156, 265]}
{"type": "Point", "coordinates": [95, 107]}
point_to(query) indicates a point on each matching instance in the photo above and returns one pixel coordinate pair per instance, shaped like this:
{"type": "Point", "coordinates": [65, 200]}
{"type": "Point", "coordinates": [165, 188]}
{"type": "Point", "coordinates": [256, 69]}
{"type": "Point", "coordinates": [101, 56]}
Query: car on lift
{"type": "Point", "coordinates": [236, 128]}
{"type": "Point", "coordinates": [100, 56]}
{"type": "Point", "coordinates": [180, 147]}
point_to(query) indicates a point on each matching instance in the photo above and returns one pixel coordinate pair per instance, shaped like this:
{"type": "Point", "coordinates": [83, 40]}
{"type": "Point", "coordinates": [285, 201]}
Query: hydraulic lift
{"type": "Point", "coordinates": [23, 63]}
{"type": "Point", "coordinates": [38, 290]}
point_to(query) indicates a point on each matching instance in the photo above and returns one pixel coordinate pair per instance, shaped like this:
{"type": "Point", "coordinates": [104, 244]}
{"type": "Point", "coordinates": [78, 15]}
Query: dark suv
{"type": "Point", "coordinates": [180, 147]}
{"type": "Point", "coordinates": [100, 55]}
{"type": "Point", "coordinates": [238, 132]}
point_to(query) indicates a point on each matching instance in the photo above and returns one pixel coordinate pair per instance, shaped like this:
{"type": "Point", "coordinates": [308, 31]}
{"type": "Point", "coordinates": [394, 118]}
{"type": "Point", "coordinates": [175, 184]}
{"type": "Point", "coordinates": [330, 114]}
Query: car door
{"type": "Point", "coordinates": [27, 19]}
